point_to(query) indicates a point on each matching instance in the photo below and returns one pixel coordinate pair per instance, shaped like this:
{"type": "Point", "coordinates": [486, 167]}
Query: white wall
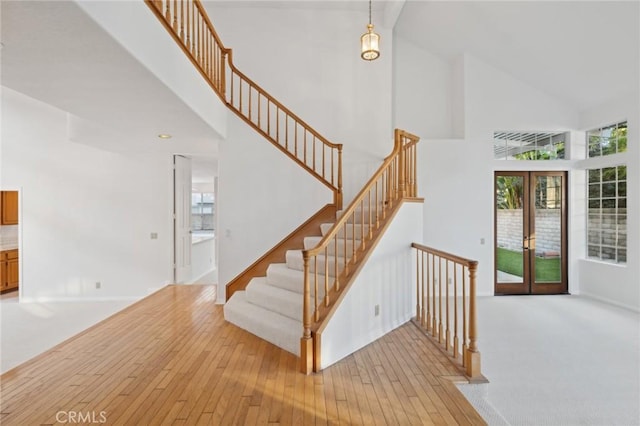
{"type": "Point", "coordinates": [344, 98]}
{"type": "Point", "coordinates": [386, 280]}
{"type": "Point", "coordinates": [137, 29]}
{"type": "Point", "coordinates": [203, 255]}
{"type": "Point", "coordinates": [262, 197]}
{"type": "Point", "coordinates": [456, 175]}
{"type": "Point", "coordinates": [86, 214]}
{"type": "Point", "coordinates": [495, 100]}
{"type": "Point", "coordinates": [618, 284]}
{"type": "Point", "coordinates": [422, 92]}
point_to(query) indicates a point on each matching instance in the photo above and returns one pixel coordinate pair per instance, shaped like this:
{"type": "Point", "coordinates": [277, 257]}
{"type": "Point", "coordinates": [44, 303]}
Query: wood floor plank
{"type": "Point", "coordinates": [385, 401]}
{"type": "Point", "coordinates": [328, 389]}
{"type": "Point", "coordinates": [275, 413]}
{"type": "Point", "coordinates": [171, 359]}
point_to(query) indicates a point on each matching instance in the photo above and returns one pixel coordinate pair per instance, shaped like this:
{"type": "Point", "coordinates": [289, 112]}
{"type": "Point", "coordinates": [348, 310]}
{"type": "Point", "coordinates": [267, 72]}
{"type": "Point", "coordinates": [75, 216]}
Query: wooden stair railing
{"type": "Point", "coordinates": [446, 306]}
{"type": "Point", "coordinates": [364, 220]}
{"type": "Point", "coordinates": [189, 25]}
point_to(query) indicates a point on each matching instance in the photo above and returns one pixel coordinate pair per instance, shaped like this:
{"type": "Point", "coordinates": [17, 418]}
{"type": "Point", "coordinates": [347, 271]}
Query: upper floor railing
{"type": "Point", "coordinates": [329, 265]}
{"type": "Point", "coordinates": [189, 25]}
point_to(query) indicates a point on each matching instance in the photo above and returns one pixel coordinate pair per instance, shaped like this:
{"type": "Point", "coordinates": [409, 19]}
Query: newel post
{"type": "Point", "coordinates": [473, 355]}
{"type": "Point", "coordinates": [338, 195]}
{"type": "Point", "coordinates": [306, 341]}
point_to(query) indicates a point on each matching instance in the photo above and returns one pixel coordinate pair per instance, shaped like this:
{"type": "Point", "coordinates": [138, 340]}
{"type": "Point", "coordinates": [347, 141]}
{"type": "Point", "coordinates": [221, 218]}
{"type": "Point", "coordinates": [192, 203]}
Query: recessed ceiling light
{"type": "Point", "coordinates": [164, 136]}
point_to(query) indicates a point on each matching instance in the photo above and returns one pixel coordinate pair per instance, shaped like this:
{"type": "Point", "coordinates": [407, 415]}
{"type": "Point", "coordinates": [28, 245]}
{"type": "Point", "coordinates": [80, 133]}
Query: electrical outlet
{"type": "Point", "coordinates": [377, 310]}
{"type": "Point", "coordinates": [98, 285]}
{"type": "Point", "coordinates": [154, 235]}
{"type": "Point", "coordinates": [482, 241]}
{"type": "Point", "coordinates": [450, 281]}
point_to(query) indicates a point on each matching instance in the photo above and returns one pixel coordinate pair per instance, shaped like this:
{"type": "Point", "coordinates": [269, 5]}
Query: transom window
{"type": "Point", "coordinates": [529, 146]}
{"type": "Point", "coordinates": [607, 140]}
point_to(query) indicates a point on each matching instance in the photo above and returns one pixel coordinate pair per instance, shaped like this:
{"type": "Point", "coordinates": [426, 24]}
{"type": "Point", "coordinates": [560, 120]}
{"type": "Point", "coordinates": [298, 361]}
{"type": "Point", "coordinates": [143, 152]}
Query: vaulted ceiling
{"type": "Point", "coordinates": [584, 53]}
{"type": "Point", "coordinates": [581, 52]}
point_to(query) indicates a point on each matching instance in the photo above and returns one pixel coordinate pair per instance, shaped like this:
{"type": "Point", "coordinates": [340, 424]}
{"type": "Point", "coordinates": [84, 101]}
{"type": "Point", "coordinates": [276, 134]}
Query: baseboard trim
{"type": "Point", "coordinates": [608, 301]}
{"type": "Point", "coordinates": [81, 299]}
{"type": "Point", "coordinates": [202, 276]}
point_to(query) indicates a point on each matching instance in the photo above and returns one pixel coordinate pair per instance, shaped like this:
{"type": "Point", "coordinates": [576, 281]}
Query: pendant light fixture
{"type": "Point", "coordinates": [370, 42]}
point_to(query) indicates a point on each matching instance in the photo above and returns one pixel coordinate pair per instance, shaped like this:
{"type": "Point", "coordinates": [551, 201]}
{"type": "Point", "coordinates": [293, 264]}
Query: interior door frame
{"type": "Point", "coordinates": [528, 286]}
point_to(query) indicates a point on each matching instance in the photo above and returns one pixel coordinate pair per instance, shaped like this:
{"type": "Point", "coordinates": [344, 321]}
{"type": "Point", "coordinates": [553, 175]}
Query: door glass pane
{"type": "Point", "coordinates": [510, 228]}
{"type": "Point", "coordinates": [547, 236]}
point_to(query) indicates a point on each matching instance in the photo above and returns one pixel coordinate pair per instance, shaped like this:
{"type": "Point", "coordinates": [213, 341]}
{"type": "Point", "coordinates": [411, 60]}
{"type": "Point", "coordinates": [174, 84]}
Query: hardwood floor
{"type": "Point", "coordinates": [172, 359]}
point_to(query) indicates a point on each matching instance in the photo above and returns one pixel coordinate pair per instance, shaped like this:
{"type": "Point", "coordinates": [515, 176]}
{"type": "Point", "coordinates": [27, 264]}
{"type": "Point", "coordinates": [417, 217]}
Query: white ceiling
{"type": "Point", "coordinates": [53, 52]}
{"type": "Point", "coordinates": [582, 52]}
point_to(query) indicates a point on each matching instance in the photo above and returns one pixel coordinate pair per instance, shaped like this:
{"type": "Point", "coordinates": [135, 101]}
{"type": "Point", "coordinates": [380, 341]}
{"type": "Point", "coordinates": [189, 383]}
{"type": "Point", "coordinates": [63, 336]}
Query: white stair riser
{"type": "Point", "coordinates": [295, 261]}
{"type": "Point", "coordinates": [275, 299]}
{"type": "Point", "coordinates": [277, 329]}
{"type": "Point", "coordinates": [278, 275]}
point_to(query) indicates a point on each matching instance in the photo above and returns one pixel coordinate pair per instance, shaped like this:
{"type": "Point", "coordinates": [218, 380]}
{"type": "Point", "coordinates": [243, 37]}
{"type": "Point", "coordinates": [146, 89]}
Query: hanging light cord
{"type": "Point", "coordinates": [369, 11]}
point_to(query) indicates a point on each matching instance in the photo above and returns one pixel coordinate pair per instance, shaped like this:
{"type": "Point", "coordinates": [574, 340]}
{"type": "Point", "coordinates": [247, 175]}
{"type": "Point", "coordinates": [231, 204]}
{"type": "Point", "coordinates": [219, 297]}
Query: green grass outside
{"type": "Point", "coordinates": [547, 270]}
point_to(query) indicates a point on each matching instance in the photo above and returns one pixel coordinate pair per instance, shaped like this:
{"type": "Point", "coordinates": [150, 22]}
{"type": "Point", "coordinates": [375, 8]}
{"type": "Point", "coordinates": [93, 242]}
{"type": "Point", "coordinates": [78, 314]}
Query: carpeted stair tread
{"type": "Point", "coordinates": [279, 300]}
{"type": "Point", "coordinates": [279, 275]}
{"type": "Point", "coordinates": [280, 330]}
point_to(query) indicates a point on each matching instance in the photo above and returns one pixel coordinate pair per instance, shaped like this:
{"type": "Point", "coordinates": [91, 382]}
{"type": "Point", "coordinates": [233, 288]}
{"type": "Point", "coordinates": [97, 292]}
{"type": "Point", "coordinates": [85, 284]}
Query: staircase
{"type": "Point", "coordinates": [304, 291]}
{"type": "Point", "coordinates": [289, 296]}
{"type": "Point", "coordinates": [271, 306]}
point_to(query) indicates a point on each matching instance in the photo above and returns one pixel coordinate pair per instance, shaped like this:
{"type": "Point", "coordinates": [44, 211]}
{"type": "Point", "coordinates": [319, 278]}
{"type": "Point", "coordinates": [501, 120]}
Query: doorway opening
{"type": "Point", "coordinates": [194, 220]}
{"type": "Point", "coordinates": [530, 237]}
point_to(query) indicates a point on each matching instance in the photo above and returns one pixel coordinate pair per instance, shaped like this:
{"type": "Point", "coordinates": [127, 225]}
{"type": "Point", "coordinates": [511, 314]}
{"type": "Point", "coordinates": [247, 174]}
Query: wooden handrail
{"type": "Point", "coordinates": [336, 255]}
{"type": "Point", "coordinates": [363, 192]}
{"type": "Point", "coordinates": [441, 278]}
{"type": "Point", "coordinates": [190, 26]}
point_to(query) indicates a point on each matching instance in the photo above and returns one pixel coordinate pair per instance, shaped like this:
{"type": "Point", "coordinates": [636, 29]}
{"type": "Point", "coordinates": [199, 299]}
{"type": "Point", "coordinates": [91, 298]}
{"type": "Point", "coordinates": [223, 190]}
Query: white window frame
{"type": "Point", "coordinates": [606, 192]}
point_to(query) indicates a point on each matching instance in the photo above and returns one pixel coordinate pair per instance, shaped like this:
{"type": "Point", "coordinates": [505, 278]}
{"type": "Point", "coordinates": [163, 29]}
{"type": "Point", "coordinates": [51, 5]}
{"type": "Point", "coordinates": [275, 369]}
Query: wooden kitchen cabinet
{"type": "Point", "coordinates": [9, 208]}
{"type": "Point", "coordinates": [3, 271]}
{"type": "Point", "coordinates": [9, 269]}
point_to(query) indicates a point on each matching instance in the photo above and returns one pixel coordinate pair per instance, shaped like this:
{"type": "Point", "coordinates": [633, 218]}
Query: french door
{"type": "Point", "coordinates": [530, 233]}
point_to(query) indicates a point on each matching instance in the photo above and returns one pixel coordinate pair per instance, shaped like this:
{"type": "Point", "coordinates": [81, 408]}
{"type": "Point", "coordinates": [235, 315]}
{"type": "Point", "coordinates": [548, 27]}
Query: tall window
{"type": "Point", "coordinates": [607, 196]}
{"type": "Point", "coordinates": [202, 204]}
